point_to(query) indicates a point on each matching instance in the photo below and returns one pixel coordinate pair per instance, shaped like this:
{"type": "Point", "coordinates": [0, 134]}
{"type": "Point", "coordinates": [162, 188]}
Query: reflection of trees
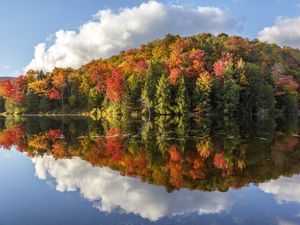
{"type": "Point", "coordinates": [193, 153]}
{"type": "Point", "coordinates": [163, 132]}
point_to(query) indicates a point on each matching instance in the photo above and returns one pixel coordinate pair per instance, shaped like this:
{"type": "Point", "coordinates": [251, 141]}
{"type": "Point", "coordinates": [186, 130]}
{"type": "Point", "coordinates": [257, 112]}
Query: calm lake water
{"type": "Point", "coordinates": [165, 171]}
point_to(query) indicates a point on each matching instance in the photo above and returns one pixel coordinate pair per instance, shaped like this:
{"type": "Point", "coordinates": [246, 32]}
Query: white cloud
{"type": "Point", "coordinates": [285, 31]}
{"type": "Point", "coordinates": [108, 190]}
{"type": "Point", "coordinates": [110, 32]}
{"type": "Point", "coordinates": [284, 189]}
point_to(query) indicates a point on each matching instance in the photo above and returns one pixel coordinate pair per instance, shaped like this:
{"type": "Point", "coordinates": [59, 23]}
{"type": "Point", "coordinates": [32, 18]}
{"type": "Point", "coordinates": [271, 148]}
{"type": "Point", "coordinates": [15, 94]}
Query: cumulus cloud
{"type": "Point", "coordinates": [112, 31]}
{"type": "Point", "coordinates": [285, 31]}
{"type": "Point", "coordinates": [284, 189]}
{"type": "Point", "coordinates": [108, 190]}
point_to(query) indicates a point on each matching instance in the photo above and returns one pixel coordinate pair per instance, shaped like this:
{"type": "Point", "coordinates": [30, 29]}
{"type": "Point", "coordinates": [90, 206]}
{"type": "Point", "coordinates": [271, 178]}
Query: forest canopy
{"type": "Point", "coordinates": [174, 75]}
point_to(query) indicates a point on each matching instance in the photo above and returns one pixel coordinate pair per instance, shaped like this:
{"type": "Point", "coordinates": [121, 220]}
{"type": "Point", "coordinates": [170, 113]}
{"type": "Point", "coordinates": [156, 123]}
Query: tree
{"type": "Point", "coordinates": [54, 94]}
{"type": "Point", "coordinates": [163, 97]}
{"type": "Point", "coordinates": [44, 104]}
{"type": "Point", "coordinates": [177, 60]}
{"type": "Point", "coordinates": [39, 87]}
{"type": "Point", "coordinates": [219, 68]}
{"type": "Point", "coordinates": [182, 101]}
{"type": "Point", "coordinates": [60, 80]}
{"type": "Point", "coordinates": [197, 60]}
{"type": "Point", "coordinates": [202, 93]}
{"type": "Point", "coordinates": [98, 77]}
{"type": "Point", "coordinates": [115, 84]}
{"type": "Point", "coordinates": [258, 96]}
{"type": "Point", "coordinates": [231, 96]}
{"type": "Point", "coordinates": [149, 89]}
{"type": "Point", "coordinates": [20, 87]}
{"type": "Point", "coordinates": [32, 102]}
{"type": "Point", "coordinates": [6, 88]}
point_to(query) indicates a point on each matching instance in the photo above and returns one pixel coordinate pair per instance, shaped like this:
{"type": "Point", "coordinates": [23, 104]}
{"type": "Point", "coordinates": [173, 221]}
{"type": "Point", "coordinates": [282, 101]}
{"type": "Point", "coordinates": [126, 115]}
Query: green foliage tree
{"type": "Point", "coordinates": [149, 89]}
{"type": "Point", "coordinates": [44, 104]}
{"type": "Point", "coordinates": [131, 98]}
{"type": "Point", "coordinates": [32, 102]}
{"type": "Point", "coordinates": [163, 97]}
{"type": "Point", "coordinates": [259, 95]}
{"type": "Point", "coordinates": [182, 100]}
{"type": "Point", "coordinates": [290, 102]}
{"type": "Point", "coordinates": [231, 92]}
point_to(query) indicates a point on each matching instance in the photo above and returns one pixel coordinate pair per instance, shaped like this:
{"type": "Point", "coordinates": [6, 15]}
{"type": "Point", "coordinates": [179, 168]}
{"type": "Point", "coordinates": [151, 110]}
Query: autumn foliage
{"type": "Point", "coordinates": [221, 74]}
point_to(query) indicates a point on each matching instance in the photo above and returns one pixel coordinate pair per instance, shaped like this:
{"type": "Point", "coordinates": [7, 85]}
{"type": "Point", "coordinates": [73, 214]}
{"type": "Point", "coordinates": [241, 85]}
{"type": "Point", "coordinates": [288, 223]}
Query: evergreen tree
{"type": "Point", "coordinates": [148, 92]}
{"type": "Point", "coordinates": [182, 99]}
{"type": "Point", "coordinates": [131, 96]}
{"type": "Point", "coordinates": [259, 93]}
{"type": "Point", "coordinates": [268, 101]}
{"type": "Point", "coordinates": [231, 95]}
{"type": "Point", "coordinates": [163, 97]}
{"type": "Point", "coordinates": [130, 101]}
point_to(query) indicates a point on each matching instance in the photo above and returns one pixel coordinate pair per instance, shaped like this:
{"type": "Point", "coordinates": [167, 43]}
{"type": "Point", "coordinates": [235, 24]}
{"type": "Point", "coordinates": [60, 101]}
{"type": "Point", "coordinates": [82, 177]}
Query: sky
{"type": "Point", "coordinates": [43, 34]}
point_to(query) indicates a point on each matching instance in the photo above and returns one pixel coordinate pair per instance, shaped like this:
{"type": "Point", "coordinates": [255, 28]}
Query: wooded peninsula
{"type": "Point", "coordinates": [201, 74]}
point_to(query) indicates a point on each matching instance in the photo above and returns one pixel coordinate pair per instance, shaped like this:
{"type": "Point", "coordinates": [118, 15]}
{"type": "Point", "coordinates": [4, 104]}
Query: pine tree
{"type": "Point", "coordinates": [163, 97]}
{"type": "Point", "coordinates": [182, 99]}
{"type": "Point", "coordinates": [148, 92]}
{"type": "Point", "coordinates": [130, 101]}
{"type": "Point", "coordinates": [231, 90]}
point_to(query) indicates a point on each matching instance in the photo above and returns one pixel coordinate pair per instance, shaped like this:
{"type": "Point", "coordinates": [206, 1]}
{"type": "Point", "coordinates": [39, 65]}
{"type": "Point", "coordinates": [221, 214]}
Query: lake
{"type": "Point", "coordinates": [167, 170]}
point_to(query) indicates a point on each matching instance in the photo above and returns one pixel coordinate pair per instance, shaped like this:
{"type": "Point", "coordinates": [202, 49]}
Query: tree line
{"type": "Point", "coordinates": [175, 75]}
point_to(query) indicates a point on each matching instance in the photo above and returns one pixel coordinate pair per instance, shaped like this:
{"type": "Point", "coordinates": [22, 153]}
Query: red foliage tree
{"type": "Point", "coordinates": [20, 86]}
{"type": "Point", "coordinates": [219, 68]}
{"type": "Point", "coordinates": [115, 85]}
{"type": "Point", "coordinates": [98, 76]}
{"type": "Point", "coordinates": [174, 75]}
{"type": "Point", "coordinates": [7, 88]}
{"type": "Point", "coordinates": [197, 61]}
{"type": "Point", "coordinates": [54, 94]}
{"type": "Point", "coordinates": [220, 65]}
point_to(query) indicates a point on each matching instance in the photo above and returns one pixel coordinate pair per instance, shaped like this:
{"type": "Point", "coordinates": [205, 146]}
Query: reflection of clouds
{"type": "Point", "coordinates": [285, 222]}
{"type": "Point", "coordinates": [284, 188]}
{"type": "Point", "coordinates": [111, 190]}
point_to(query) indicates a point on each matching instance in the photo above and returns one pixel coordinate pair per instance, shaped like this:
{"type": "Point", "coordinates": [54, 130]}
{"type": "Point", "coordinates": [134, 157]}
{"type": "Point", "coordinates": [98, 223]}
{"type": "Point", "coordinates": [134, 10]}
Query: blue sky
{"type": "Point", "coordinates": [24, 24]}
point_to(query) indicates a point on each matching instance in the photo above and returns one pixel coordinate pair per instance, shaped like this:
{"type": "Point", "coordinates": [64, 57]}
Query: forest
{"type": "Point", "coordinates": [201, 74]}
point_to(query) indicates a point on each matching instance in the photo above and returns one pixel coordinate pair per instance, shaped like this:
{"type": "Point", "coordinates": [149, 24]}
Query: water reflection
{"type": "Point", "coordinates": [285, 189]}
{"type": "Point", "coordinates": [109, 190]}
{"type": "Point", "coordinates": [107, 161]}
